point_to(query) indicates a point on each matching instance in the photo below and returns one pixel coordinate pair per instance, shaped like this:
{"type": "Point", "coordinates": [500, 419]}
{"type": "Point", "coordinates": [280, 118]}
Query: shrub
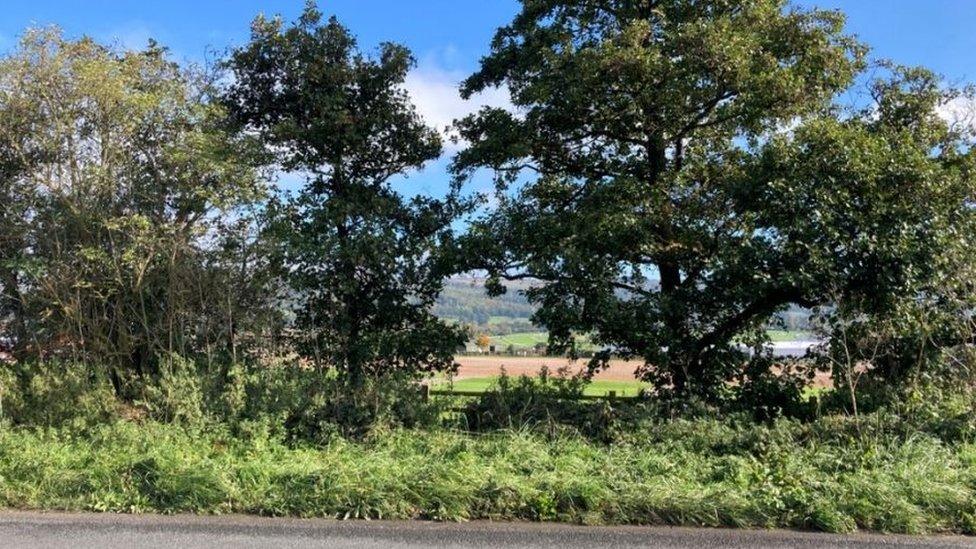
{"type": "Point", "coordinates": [177, 394]}
{"type": "Point", "coordinates": [701, 472]}
{"type": "Point", "coordinates": [769, 388]}
{"type": "Point", "coordinates": [549, 403]}
{"type": "Point", "coordinates": [280, 399]}
{"type": "Point", "coordinates": [55, 393]}
{"type": "Point", "coordinates": [307, 404]}
{"type": "Point", "coordinates": [333, 408]}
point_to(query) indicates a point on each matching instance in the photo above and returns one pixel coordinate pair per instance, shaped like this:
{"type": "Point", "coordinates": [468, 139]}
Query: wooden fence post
{"type": "Point", "coordinates": [425, 392]}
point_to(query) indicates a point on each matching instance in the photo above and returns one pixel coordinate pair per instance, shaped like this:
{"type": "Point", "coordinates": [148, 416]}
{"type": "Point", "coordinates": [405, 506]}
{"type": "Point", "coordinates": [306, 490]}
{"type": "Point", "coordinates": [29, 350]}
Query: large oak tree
{"type": "Point", "coordinates": [674, 172]}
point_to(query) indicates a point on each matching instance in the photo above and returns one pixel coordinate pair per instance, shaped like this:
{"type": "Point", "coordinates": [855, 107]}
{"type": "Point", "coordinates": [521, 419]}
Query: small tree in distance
{"type": "Point", "coordinates": [365, 263]}
{"type": "Point", "coordinates": [483, 342]}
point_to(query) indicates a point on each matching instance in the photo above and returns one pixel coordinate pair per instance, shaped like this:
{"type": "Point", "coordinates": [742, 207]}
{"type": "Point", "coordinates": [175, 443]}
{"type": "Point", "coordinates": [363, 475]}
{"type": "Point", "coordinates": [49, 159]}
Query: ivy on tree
{"type": "Point", "coordinates": [365, 263]}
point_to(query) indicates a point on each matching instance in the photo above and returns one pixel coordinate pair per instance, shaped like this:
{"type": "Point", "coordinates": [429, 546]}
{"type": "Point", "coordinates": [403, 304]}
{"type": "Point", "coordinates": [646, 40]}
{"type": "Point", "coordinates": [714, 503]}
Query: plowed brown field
{"type": "Point", "coordinates": [619, 370]}
{"type": "Point", "coordinates": [487, 366]}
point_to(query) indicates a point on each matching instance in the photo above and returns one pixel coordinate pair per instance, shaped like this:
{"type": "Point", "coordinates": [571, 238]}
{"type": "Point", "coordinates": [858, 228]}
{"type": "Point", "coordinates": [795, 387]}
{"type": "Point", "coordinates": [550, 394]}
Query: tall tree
{"type": "Point", "coordinates": [115, 178]}
{"type": "Point", "coordinates": [633, 146]}
{"type": "Point", "coordinates": [884, 239]}
{"type": "Point", "coordinates": [366, 264]}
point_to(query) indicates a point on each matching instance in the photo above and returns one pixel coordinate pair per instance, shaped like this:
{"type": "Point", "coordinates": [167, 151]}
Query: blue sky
{"type": "Point", "coordinates": [938, 33]}
{"type": "Point", "coordinates": [449, 36]}
{"type": "Point", "coordinates": [459, 30]}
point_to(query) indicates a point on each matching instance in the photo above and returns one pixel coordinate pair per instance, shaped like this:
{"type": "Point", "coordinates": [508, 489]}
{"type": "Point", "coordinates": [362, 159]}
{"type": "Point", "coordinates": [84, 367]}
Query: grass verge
{"type": "Point", "coordinates": [701, 473]}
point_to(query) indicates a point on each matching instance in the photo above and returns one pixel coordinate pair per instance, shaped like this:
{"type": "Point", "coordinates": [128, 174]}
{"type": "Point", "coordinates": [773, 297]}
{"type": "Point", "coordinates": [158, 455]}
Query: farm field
{"type": "Point", "coordinates": [490, 367]}
{"type": "Point", "coordinates": [600, 387]}
{"type": "Point", "coordinates": [788, 335]}
{"type": "Point", "coordinates": [521, 340]}
{"type": "Point", "coordinates": [528, 340]}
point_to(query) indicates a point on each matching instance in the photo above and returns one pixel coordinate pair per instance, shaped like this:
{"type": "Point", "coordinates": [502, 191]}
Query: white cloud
{"type": "Point", "coordinates": [435, 91]}
{"type": "Point", "coordinates": [132, 36]}
{"type": "Point", "coordinates": [960, 112]}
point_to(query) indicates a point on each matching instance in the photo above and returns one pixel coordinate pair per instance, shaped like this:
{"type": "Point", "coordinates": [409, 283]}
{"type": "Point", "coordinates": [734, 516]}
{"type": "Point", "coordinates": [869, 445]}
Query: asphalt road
{"type": "Point", "coordinates": [79, 531]}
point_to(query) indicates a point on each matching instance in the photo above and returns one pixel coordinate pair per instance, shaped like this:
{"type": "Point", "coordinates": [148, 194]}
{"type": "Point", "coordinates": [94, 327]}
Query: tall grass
{"type": "Point", "coordinates": [279, 441]}
{"type": "Point", "coordinates": [702, 473]}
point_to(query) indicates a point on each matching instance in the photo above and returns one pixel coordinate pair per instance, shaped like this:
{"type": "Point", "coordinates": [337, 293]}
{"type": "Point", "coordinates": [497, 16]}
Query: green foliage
{"type": "Point", "coordinates": [177, 395]}
{"type": "Point", "coordinates": [693, 183]}
{"type": "Point", "coordinates": [282, 440]}
{"type": "Point", "coordinates": [549, 403]}
{"type": "Point", "coordinates": [690, 472]}
{"type": "Point", "coordinates": [555, 404]}
{"type": "Point", "coordinates": [121, 182]}
{"type": "Point", "coordinates": [303, 404]}
{"type": "Point", "coordinates": [286, 400]}
{"type": "Point", "coordinates": [683, 176]}
{"type": "Point", "coordinates": [769, 388]}
{"type": "Point", "coordinates": [56, 393]}
{"type": "Point", "coordinates": [366, 264]}
{"type": "Point", "coordinates": [600, 387]}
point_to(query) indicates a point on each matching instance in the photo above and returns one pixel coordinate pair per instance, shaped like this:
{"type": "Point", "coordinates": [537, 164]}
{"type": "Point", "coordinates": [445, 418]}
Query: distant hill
{"type": "Point", "coordinates": [465, 300]}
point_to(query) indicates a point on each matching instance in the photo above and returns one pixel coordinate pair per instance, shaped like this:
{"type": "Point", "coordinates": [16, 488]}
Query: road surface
{"type": "Point", "coordinates": [82, 531]}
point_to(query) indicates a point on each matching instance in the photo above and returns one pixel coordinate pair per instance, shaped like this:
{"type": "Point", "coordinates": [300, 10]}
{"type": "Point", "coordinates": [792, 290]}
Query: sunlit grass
{"type": "Point", "coordinates": [600, 387]}
{"type": "Point", "coordinates": [786, 335]}
{"type": "Point", "coordinates": [693, 473]}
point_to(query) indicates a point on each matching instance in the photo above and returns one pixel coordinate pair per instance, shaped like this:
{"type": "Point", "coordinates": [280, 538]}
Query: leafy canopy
{"type": "Point", "coordinates": [365, 263]}
{"type": "Point", "coordinates": [682, 174]}
{"type": "Point", "coordinates": [116, 178]}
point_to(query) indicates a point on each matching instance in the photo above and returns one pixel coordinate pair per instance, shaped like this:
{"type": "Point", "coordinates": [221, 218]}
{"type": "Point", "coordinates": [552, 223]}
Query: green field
{"type": "Point", "coordinates": [596, 388]}
{"type": "Point", "coordinates": [527, 340]}
{"type": "Point", "coordinates": [786, 335]}
{"type": "Point", "coordinates": [523, 340]}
